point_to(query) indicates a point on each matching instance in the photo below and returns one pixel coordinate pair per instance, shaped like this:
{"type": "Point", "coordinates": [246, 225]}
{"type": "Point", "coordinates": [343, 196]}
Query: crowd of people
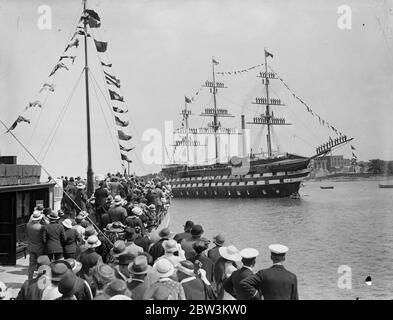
{"type": "Point", "coordinates": [106, 248]}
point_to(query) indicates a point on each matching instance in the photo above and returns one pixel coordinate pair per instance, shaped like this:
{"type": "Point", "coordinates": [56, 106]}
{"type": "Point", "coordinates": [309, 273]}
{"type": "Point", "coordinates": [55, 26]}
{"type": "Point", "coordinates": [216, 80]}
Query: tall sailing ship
{"type": "Point", "coordinates": [249, 175]}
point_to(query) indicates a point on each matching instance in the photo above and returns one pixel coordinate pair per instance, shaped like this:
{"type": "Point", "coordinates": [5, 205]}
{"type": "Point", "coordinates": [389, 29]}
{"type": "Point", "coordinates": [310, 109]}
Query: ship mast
{"type": "Point", "coordinates": [268, 118]}
{"type": "Point", "coordinates": [215, 125]}
{"type": "Point", "coordinates": [90, 183]}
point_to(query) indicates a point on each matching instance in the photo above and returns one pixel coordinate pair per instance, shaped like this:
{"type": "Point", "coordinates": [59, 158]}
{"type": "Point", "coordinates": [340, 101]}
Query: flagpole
{"type": "Point", "coordinates": [90, 183]}
{"type": "Point", "coordinates": [186, 118]}
{"type": "Point", "coordinates": [215, 125]}
{"type": "Point", "coordinates": [267, 115]}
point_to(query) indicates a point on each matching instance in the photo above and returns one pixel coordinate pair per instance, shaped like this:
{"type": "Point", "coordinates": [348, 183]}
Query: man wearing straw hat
{"type": "Point", "coordinates": [214, 254]}
{"type": "Point", "coordinates": [274, 283]}
{"type": "Point", "coordinates": [35, 246]}
{"type": "Point", "coordinates": [53, 236]}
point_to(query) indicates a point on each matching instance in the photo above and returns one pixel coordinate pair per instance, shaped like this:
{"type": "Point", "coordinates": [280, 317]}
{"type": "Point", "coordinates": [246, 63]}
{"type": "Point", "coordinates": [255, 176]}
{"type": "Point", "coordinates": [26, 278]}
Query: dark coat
{"type": "Point", "coordinates": [82, 290]}
{"type": "Point", "coordinates": [194, 289]}
{"type": "Point", "coordinates": [206, 264]}
{"type": "Point", "coordinates": [117, 213]}
{"type": "Point", "coordinates": [232, 284]}
{"type": "Point", "coordinates": [143, 242]}
{"type": "Point", "coordinates": [53, 236]}
{"type": "Point", "coordinates": [72, 239]}
{"type": "Point", "coordinates": [100, 195]}
{"type": "Point", "coordinates": [34, 237]}
{"type": "Point", "coordinates": [137, 288]}
{"type": "Point", "coordinates": [157, 250]}
{"type": "Point", "coordinates": [274, 283]}
{"type": "Point", "coordinates": [214, 254]}
{"type": "Point", "coordinates": [30, 290]}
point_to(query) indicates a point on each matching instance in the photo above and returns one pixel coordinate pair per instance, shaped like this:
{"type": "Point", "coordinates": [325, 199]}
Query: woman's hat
{"type": "Point", "coordinates": [230, 253]}
{"type": "Point", "coordinates": [164, 268]}
{"type": "Point", "coordinates": [118, 200]}
{"type": "Point", "coordinates": [67, 223]}
{"type": "Point", "coordinates": [116, 287]}
{"type": "Point", "coordinates": [58, 270]}
{"type": "Point", "coordinates": [90, 231]}
{"type": "Point", "coordinates": [197, 230]}
{"type": "Point", "coordinates": [170, 246]}
{"type": "Point", "coordinates": [152, 207]}
{"type": "Point", "coordinates": [163, 293]}
{"type": "Point", "coordinates": [104, 273]}
{"type": "Point", "coordinates": [116, 226]}
{"type": "Point", "coordinates": [75, 265]}
{"type": "Point", "coordinates": [36, 216]}
{"type": "Point", "coordinates": [93, 242]}
{"type": "Point", "coordinates": [126, 258]}
{"type": "Point", "coordinates": [119, 247]}
{"type": "Point", "coordinates": [120, 297]}
{"type": "Point", "coordinates": [164, 233]}
{"type": "Point", "coordinates": [67, 284]}
{"type": "Point", "coordinates": [186, 267]}
{"type": "Point", "coordinates": [139, 266]}
{"type": "Point", "coordinates": [79, 218]}
{"type": "Point", "coordinates": [137, 211]}
{"type": "Point", "coordinates": [219, 239]}
{"type": "Point", "coordinates": [53, 215]}
{"type": "Point", "coordinates": [81, 185]}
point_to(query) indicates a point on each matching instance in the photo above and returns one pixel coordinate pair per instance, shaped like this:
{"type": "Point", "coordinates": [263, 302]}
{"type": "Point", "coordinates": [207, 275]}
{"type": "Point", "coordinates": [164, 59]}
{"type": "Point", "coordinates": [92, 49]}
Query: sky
{"type": "Point", "coordinates": [162, 51]}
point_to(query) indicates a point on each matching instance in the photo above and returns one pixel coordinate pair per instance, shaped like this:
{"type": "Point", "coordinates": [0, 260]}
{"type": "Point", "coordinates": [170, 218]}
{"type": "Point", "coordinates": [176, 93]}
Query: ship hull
{"type": "Point", "coordinates": [256, 191]}
{"type": "Point", "coordinates": [267, 180]}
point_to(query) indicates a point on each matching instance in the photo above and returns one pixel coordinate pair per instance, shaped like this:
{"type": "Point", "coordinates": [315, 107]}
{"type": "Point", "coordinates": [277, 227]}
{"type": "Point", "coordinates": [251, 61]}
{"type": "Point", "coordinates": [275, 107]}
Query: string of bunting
{"type": "Point", "coordinates": [113, 84]}
{"type": "Point", "coordinates": [237, 72]}
{"type": "Point", "coordinates": [64, 62]}
{"type": "Point", "coordinates": [309, 110]}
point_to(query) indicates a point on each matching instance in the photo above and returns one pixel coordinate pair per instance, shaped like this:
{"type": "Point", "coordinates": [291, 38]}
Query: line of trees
{"type": "Point", "coordinates": [378, 166]}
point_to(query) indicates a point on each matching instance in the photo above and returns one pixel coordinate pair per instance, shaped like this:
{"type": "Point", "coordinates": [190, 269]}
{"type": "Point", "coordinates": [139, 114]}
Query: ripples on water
{"type": "Point", "coordinates": [351, 224]}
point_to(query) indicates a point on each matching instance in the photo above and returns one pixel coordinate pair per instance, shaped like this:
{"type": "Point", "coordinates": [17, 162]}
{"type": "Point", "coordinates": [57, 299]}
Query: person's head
{"type": "Point", "coordinates": [130, 234]}
{"type": "Point", "coordinates": [67, 224]}
{"type": "Point", "coordinates": [249, 256]}
{"type": "Point", "coordinates": [102, 275]}
{"type": "Point", "coordinates": [170, 246]}
{"type": "Point", "coordinates": [58, 270]}
{"type": "Point", "coordinates": [277, 252]}
{"type": "Point", "coordinates": [230, 253]}
{"type": "Point", "coordinates": [139, 267]}
{"type": "Point", "coordinates": [149, 258]}
{"type": "Point", "coordinates": [197, 231]}
{"type": "Point", "coordinates": [219, 240]}
{"type": "Point", "coordinates": [164, 233]}
{"type": "Point", "coordinates": [67, 284]}
{"type": "Point", "coordinates": [116, 287]}
{"type": "Point", "coordinates": [43, 260]}
{"type": "Point", "coordinates": [163, 268]}
{"type": "Point", "coordinates": [188, 226]}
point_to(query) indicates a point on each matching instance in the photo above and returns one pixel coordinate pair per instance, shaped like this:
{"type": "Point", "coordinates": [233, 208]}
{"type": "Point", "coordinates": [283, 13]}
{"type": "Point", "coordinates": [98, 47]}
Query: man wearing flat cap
{"type": "Point", "coordinates": [232, 284]}
{"type": "Point", "coordinates": [274, 283]}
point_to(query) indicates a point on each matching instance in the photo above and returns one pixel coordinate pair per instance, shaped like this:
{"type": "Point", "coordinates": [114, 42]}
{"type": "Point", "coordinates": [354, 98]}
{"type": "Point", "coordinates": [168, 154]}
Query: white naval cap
{"type": "Point", "coordinates": [278, 248]}
{"type": "Point", "coordinates": [249, 253]}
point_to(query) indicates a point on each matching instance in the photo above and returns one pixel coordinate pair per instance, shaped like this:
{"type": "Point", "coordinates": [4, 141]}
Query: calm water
{"type": "Point", "coordinates": [351, 224]}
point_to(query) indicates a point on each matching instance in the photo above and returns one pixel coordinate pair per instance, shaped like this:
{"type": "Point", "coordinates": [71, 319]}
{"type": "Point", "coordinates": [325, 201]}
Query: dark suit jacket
{"type": "Point", "coordinates": [157, 250]}
{"type": "Point", "coordinates": [53, 236]}
{"type": "Point", "coordinates": [232, 284]}
{"type": "Point", "coordinates": [72, 238]}
{"type": "Point", "coordinates": [213, 254]}
{"type": "Point", "coordinates": [34, 236]}
{"type": "Point", "coordinates": [194, 290]}
{"type": "Point", "coordinates": [207, 265]}
{"type": "Point", "coordinates": [275, 283]}
{"type": "Point", "coordinates": [137, 289]}
{"type": "Point", "coordinates": [117, 213]}
{"type": "Point", "coordinates": [184, 235]}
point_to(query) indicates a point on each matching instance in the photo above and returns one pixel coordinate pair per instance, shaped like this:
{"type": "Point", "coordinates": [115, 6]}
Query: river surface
{"type": "Point", "coordinates": [350, 225]}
